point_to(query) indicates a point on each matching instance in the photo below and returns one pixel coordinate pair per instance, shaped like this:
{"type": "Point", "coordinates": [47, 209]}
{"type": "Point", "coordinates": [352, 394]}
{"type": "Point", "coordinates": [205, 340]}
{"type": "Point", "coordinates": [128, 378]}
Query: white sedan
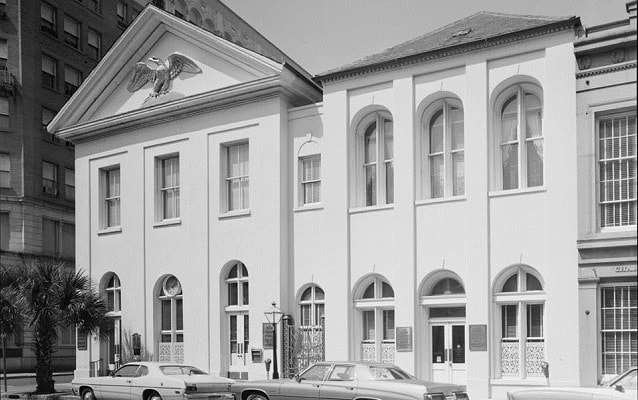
{"type": "Point", "coordinates": [154, 381]}
{"type": "Point", "coordinates": [622, 387]}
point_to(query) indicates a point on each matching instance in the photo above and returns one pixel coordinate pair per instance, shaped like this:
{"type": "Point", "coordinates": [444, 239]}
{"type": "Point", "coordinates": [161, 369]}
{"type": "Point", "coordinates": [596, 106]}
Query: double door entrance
{"type": "Point", "coordinates": [239, 342]}
{"type": "Point", "coordinates": [447, 349]}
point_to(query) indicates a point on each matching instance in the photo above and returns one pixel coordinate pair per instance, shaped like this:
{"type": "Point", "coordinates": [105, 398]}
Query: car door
{"type": "Point", "coordinates": [118, 385]}
{"type": "Point", "coordinates": [341, 384]}
{"type": "Point", "coordinates": [307, 385]}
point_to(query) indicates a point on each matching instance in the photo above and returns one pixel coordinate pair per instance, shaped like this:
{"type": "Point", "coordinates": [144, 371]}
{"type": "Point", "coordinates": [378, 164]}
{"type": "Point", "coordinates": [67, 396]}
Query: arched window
{"type": "Point", "coordinates": [519, 138]}
{"type": "Point", "coordinates": [375, 314]}
{"type": "Point", "coordinates": [238, 321]}
{"type": "Point", "coordinates": [111, 349]}
{"type": "Point", "coordinates": [311, 306]}
{"type": "Point", "coordinates": [520, 301]}
{"type": "Point", "coordinates": [447, 286]}
{"type": "Point", "coordinates": [375, 155]}
{"type": "Point", "coordinates": [237, 283]}
{"type": "Point", "coordinates": [171, 320]}
{"type": "Point", "coordinates": [443, 160]}
{"type": "Point", "coordinates": [195, 17]}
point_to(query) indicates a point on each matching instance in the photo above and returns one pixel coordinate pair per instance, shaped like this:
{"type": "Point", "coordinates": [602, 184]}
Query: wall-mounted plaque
{"type": "Point", "coordinates": [268, 333]}
{"type": "Point", "coordinates": [478, 337]}
{"type": "Point", "coordinates": [404, 338]}
{"type": "Point", "coordinates": [82, 342]}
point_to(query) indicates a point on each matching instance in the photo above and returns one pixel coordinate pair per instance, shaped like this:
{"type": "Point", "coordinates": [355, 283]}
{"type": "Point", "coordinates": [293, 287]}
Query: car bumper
{"type": "Point", "coordinates": [209, 396]}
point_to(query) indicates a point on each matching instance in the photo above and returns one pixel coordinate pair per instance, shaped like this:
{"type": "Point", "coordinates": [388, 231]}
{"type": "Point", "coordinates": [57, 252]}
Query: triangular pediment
{"type": "Point", "coordinates": [155, 33]}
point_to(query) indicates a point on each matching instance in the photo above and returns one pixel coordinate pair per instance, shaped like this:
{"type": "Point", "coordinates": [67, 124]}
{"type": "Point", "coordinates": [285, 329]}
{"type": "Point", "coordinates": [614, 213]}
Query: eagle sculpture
{"type": "Point", "coordinates": [162, 74]}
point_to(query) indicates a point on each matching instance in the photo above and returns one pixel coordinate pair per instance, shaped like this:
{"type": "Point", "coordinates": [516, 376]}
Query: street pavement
{"type": "Point", "coordinates": [25, 383]}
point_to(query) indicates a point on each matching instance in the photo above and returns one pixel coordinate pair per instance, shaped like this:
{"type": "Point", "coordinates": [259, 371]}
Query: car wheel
{"type": "Point", "coordinates": [88, 395]}
{"type": "Point", "coordinates": [154, 396]}
{"type": "Point", "coordinates": [256, 396]}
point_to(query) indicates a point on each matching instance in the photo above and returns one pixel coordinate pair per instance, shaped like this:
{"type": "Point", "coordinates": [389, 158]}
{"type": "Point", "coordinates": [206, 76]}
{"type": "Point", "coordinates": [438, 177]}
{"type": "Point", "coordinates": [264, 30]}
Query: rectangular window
{"type": "Point", "coordinates": [47, 19]}
{"type": "Point", "coordinates": [67, 245]}
{"type": "Point", "coordinates": [50, 236]}
{"type": "Point", "coordinates": [306, 314]}
{"type": "Point", "coordinates": [617, 170]}
{"type": "Point", "coordinates": [69, 184]}
{"type": "Point", "coordinates": [93, 5]}
{"type": "Point", "coordinates": [618, 328]}
{"type": "Point", "coordinates": [5, 170]}
{"type": "Point", "coordinates": [112, 197]}
{"type": "Point", "coordinates": [311, 179]}
{"type": "Point", "coordinates": [47, 116]}
{"type": "Point", "coordinates": [72, 80]}
{"type": "Point", "coordinates": [5, 231]}
{"type": "Point", "coordinates": [122, 10]}
{"type": "Point", "coordinates": [4, 114]}
{"type": "Point", "coordinates": [368, 326]}
{"type": "Point", "coordinates": [49, 178]}
{"type": "Point", "coordinates": [71, 32]}
{"type": "Point", "coordinates": [237, 177]}
{"type": "Point", "coordinates": [95, 44]}
{"type": "Point", "coordinates": [169, 187]}
{"type": "Point", "coordinates": [4, 54]}
{"type": "Point", "coordinates": [49, 72]}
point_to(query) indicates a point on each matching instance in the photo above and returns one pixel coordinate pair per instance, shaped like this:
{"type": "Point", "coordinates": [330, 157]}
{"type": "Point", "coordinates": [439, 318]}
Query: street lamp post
{"type": "Point", "coordinates": [273, 316]}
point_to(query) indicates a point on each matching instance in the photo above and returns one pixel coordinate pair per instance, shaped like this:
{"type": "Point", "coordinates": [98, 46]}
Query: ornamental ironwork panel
{"type": "Point", "coordinates": [510, 358]}
{"type": "Point", "coordinates": [534, 356]}
{"type": "Point", "coordinates": [171, 352]}
{"type": "Point", "coordinates": [387, 352]}
{"type": "Point", "coordinates": [302, 346]}
{"type": "Point", "coordinates": [368, 352]}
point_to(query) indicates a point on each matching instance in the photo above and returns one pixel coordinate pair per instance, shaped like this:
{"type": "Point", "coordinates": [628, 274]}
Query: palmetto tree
{"type": "Point", "coordinates": [52, 296]}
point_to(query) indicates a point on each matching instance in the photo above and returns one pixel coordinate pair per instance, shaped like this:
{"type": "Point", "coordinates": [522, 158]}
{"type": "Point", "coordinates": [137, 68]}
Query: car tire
{"type": "Point", "coordinates": [154, 396]}
{"type": "Point", "coordinates": [87, 394]}
{"type": "Point", "coordinates": [256, 396]}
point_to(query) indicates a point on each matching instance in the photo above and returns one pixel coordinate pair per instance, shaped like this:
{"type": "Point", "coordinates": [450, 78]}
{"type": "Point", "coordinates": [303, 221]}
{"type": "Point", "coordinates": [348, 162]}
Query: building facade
{"type": "Point", "coordinates": [606, 116]}
{"type": "Point", "coordinates": [417, 207]}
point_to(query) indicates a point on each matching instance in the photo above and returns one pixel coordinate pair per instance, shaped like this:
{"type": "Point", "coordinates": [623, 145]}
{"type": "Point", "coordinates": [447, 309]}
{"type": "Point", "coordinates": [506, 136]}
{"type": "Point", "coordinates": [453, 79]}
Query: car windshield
{"type": "Point", "coordinates": [628, 381]}
{"type": "Point", "coordinates": [181, 370]}
{"type": "Point", "coordinates": [392, 373]}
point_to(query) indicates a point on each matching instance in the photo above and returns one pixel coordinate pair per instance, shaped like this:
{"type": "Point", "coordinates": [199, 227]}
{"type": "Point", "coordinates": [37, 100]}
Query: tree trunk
{"type": "Point", "coordinates": [44, 339]}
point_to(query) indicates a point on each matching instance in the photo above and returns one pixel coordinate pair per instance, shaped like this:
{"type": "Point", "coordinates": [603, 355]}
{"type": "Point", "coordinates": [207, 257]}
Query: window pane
{"type": "Point", "coordinates": [533, 116]}
{"type": "Point", "coordinates": [389, 182]}
{"type": "Point", "coordinates": [510, 166]}
{"type": "Point", "coordinates": [369, 292]}
{"type": "Point", "coordinates": [166, 315]}
{"type": "Point", "coordinates": [534, 320]}
{"type": "Point", "coordinates": [370, 144]}
{"type": "Point", "coordinates": [371, 185]}
{"type": "Point", "coordinates": [511, 284]}
{"type": "Point", "coordinates": [305, 314]}
{"type": "Point", "coordinates": [319, 294]}
{"type": "Point", "coordinates": [179, 314]}
{"type": "Point", "coordinates": [245, 297]}
{"type": "Point", "coordinates": [388, 324]}
{"type": "Point", "coordinates": [368, 325]}
{"type": "Point", "coordinates": [386, 290]}
{"type": "Point", "coordinates": [458, 173]}
{"type": "Point", "coordinates": [436, 133]}
{"type": "Point", "coordinates": [307, 295]}
{"type": "Point", "coordinates": [388, 135]}
{"type": "Point", "coordinates": [509, 121]}
{"type": "Point", "coordinates": [532, 282]}
{"type": "Point", "coordinates": [437, 174]}
{"type": "Point", "coordinates": [509, 321]}
{"type": "Point", "coordinates": [456, 117]}
{"type": "Point", "coordinates": [319, 313]}
{"type": "Point", "coordinates": [535, 163]}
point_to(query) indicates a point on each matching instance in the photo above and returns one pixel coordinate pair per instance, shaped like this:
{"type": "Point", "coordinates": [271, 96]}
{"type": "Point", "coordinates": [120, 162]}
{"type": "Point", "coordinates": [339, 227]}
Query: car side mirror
{"type": "Point", "coordinates": [619, 388]}
{"type": "Point", "coordinates": [297, 378]}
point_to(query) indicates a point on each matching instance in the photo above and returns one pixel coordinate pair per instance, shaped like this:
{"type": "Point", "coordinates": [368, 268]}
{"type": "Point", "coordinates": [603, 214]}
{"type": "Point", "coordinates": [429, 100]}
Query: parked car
{"type": "Point", "coordinates": [349, 380]}
{"type": "Point", "coordinates": [621, 387]}
{"type": "Point", "coordinates": [153, 381]}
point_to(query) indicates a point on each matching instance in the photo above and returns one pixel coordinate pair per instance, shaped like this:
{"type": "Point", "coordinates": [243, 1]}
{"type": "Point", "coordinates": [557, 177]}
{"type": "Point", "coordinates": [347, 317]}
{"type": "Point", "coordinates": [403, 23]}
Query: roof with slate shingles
{"type": "Point", "coordinates": [474, 29]}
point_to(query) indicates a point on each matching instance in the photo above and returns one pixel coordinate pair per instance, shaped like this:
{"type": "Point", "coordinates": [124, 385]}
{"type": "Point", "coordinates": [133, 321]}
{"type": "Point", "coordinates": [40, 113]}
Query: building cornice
{"type": "Point", "coordinates": [450, 51]}
{"type": "Point", "coordinates": [250, 92]}
{"type": "Point", "coordinates": [606, 69]}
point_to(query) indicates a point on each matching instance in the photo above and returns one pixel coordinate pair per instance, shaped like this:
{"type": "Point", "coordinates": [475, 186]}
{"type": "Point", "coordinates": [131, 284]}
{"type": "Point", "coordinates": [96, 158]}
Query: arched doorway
{"type": "Point", "coordinates": [111, 349]}
{"type": "Point", "coordinates": [443, 301]}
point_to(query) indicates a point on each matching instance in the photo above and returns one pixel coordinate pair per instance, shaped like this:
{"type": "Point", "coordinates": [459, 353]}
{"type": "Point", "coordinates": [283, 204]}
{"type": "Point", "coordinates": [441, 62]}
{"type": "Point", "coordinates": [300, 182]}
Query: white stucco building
{"type": "Point", "coordinates": [422, 200]}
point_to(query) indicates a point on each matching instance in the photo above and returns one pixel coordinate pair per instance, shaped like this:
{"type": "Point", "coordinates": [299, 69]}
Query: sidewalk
{"type": "Point", "coordinates": [20, 384]}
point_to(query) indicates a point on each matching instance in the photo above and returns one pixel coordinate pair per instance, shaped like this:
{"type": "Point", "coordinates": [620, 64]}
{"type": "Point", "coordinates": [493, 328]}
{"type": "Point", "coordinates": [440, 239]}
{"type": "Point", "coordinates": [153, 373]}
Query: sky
{"type": "Point", "coordinates": [321, 35]}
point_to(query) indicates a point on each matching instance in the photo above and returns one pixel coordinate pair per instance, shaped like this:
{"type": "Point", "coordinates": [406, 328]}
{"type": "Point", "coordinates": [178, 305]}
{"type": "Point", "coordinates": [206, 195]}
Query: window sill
{"type": "Point", "coordinates": [358, 210]}
{"type": "Point", "coordinates": [515, 381]}
{"type": "Point", "coordinates": [110, 230]}
{"type": "Point", "coordinates": [235, 214]}
{"type": "Point", "coordinates": [236, 308]}
{"type": "Point", "coordinates": [168, 222]}
{"type": "Point", "coordinates": [308, 207]}
{"type": "Point", "coordinates": [440, 200]}
{"type": "Point", "coordinates": [514, 192]}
